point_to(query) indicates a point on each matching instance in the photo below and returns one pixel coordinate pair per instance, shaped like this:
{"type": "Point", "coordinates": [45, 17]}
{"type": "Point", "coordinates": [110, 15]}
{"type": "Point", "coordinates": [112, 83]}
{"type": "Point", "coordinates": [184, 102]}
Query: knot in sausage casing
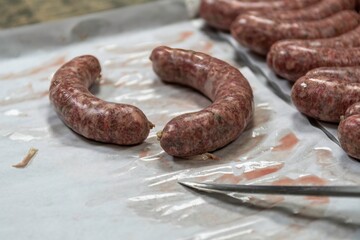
{"type": "Point", "coordinates": [90, 116]}
{"type": "Point", "coordinates": [218, 124]}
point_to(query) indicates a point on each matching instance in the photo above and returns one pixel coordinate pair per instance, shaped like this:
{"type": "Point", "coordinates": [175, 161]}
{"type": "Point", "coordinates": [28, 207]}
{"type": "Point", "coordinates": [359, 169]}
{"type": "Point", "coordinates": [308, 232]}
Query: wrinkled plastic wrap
{"type": "Point", "coordinates": [79, 189]}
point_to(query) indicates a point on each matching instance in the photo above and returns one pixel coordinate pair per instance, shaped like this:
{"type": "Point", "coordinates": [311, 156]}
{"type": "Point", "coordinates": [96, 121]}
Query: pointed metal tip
{"type": "Point", "coordinates": [193, 185]}
{"type": "Point", "coordinates": [186, 184]}
{"type": "Point", "coordinates": [203, 187]}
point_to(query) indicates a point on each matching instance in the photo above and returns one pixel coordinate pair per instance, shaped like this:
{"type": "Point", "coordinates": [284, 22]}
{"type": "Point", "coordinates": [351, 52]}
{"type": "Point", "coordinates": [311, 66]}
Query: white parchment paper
{"type": "Point", "coordinates": [79, 189]}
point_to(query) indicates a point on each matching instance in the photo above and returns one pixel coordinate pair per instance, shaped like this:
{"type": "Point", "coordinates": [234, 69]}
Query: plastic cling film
{"type": "Point", "coordinates": [127, 187]}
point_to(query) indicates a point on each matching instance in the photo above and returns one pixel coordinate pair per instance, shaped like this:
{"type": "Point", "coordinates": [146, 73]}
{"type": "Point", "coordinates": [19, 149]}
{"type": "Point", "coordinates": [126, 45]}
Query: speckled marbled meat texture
{"type": "Point", "coordinates": [90, 116]}
{"type": "Point", "coordinates": [215, 126]}
{"type": "Point", "coordinates": [258, 33]}
{"type": "Point", "coordinates": [325, 94]}
{"type": "Point", "coordinates": [349, 131]}
{"type": "Point", "coordinates": [347, 40]}
{"type": "Point", "coordinates": [344, 74]}
{"type": "Point", "coordinates": [221, 13]}
{"type": "Point", "coordinates": [317, 11]}
{"type": "Point", "coordinates": [293, 61]}
{"type": "Point", "coordinates": [332, 94]}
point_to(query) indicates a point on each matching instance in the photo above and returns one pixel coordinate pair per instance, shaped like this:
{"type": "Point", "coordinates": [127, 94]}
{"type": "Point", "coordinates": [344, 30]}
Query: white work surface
{"type": "Point", "coordinates": [79, 189]}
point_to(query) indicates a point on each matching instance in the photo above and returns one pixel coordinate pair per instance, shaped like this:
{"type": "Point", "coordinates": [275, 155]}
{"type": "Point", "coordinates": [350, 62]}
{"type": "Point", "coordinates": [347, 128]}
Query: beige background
{"type": "Point", "coordinates": [21, 12]}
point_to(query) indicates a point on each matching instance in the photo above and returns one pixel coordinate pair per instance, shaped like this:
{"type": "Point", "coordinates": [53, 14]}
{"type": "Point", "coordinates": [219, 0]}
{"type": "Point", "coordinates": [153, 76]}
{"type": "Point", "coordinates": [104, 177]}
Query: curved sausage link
{"type": "Point", "coordinates": [294, 61]}
{"type": "Point", "coordinates": [221, 13]}
{"type": "Point", "coordinates": [90, 116]}
{"type": "Point", "coordinates": [317, 11]}
{"type": "Point", "coordinates": [260, 33]}
{"type": "Point", "coordinates": [349, 131]}
{"type": "Point", "coordinates": [346, 40]}
{"type": "Point", "coordinates": [215, 126]}
{"type": "Point", "coordinates": [327, 96]}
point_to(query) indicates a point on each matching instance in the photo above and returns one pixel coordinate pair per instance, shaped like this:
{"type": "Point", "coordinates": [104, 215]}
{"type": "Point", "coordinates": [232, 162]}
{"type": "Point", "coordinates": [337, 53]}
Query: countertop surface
{"type": "Point", "coordinates": [80, 189]}
{"type": "Point", "coordinates": [22, 12]}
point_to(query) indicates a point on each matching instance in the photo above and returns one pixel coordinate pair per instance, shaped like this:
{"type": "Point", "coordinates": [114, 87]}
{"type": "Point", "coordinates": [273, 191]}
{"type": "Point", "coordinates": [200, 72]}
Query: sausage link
{"type": "Point", "coordinates": [353, 110]}
{"type": "Point", "coordinates": [294, 61]}
{"type": "Point", "coordinates": [349, 131]}
{"type": "Point", "coordinates": [221, 13]}
{"type": "Point", "coordinates": [317, 11]}
{"type": "Point", "coordinates": [345, 74]}
{"type": "Point", "coordinates": [327, 96]}
{"type": "Point", "coordinates": [329, 93]}
{"type": "Point", "coordinates": [215, 126]}
{"type": "Point", "coordinates": [259, 33]}
{"type": "Point", "coordinates": [90, 116]}
{"type": "Point", "coordinates": [346, 40]}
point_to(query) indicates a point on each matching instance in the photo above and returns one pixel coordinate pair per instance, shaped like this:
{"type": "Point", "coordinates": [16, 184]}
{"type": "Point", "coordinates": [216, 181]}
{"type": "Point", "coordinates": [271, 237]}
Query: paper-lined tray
{"type": "Point", "coordinates": [75, 188]}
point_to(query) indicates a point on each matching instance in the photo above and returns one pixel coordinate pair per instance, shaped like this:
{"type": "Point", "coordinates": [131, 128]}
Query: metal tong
{"type": "Point", "coordinates": [333, 191]}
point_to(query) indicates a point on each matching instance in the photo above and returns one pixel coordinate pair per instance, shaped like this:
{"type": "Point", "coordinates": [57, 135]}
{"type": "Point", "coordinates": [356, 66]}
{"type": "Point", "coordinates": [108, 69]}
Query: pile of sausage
{"type": "Point", "coordinates": [313, 43]}
{"type": "Point", "coordinates": [186, 135]}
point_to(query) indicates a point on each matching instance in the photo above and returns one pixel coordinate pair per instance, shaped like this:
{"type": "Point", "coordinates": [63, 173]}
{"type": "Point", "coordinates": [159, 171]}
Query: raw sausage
{"type": "Point", "coordinates": [215, 126]}
{"type": "Point", "coordinates": [353, 110]}
{"type": "Point", "coordinates": [345, 74]}
{"type": "Point", "coordinates": [221, 13]}
{"type": "Point", "coordinates": [346, 40]}
{"type": "Point", "coordinates": [349, 132]}
{"type": "Point", "coordinates": [327, 96]}
{"type": "Point", "coordinates": [333, 94]}
{"type": "Point", "coordinates": [259, 33]}
{"type": "Point", "coordinates": [317, 11]}
{"type": "Point", "coordinates": [90, 116]}
{"type": "Point", "coordinates": [294, 61]}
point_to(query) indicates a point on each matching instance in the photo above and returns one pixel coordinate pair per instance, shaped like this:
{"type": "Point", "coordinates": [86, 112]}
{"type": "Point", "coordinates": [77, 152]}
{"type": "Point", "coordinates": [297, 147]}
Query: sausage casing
{"type": "Point", "coordinates": [346, 40]}
{"type": "Point", "coordinates": [293, 61]}
{"type": "Point", "coordinates": [215, 126]}
{"type": "Point", "coordinates": [349, 131]}
{"type": "Point", "coordinates": [259, 33]}
{"type": "Point", "coordinates": [90, 116]}
{"type": "Point", "coordinates": [317, 11]}
{"type": "Point", "coordinates": [221, 13]}
{"type": "Point", "coordinates": [333, 95]}
{"type": "Point", "coordinates": [326, 95]}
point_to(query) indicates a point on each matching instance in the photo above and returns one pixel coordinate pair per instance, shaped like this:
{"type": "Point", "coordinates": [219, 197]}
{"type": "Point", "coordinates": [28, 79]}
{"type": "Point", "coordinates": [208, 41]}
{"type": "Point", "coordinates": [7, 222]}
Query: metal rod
{"type": "Point", "coordinates": [334, 191]}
